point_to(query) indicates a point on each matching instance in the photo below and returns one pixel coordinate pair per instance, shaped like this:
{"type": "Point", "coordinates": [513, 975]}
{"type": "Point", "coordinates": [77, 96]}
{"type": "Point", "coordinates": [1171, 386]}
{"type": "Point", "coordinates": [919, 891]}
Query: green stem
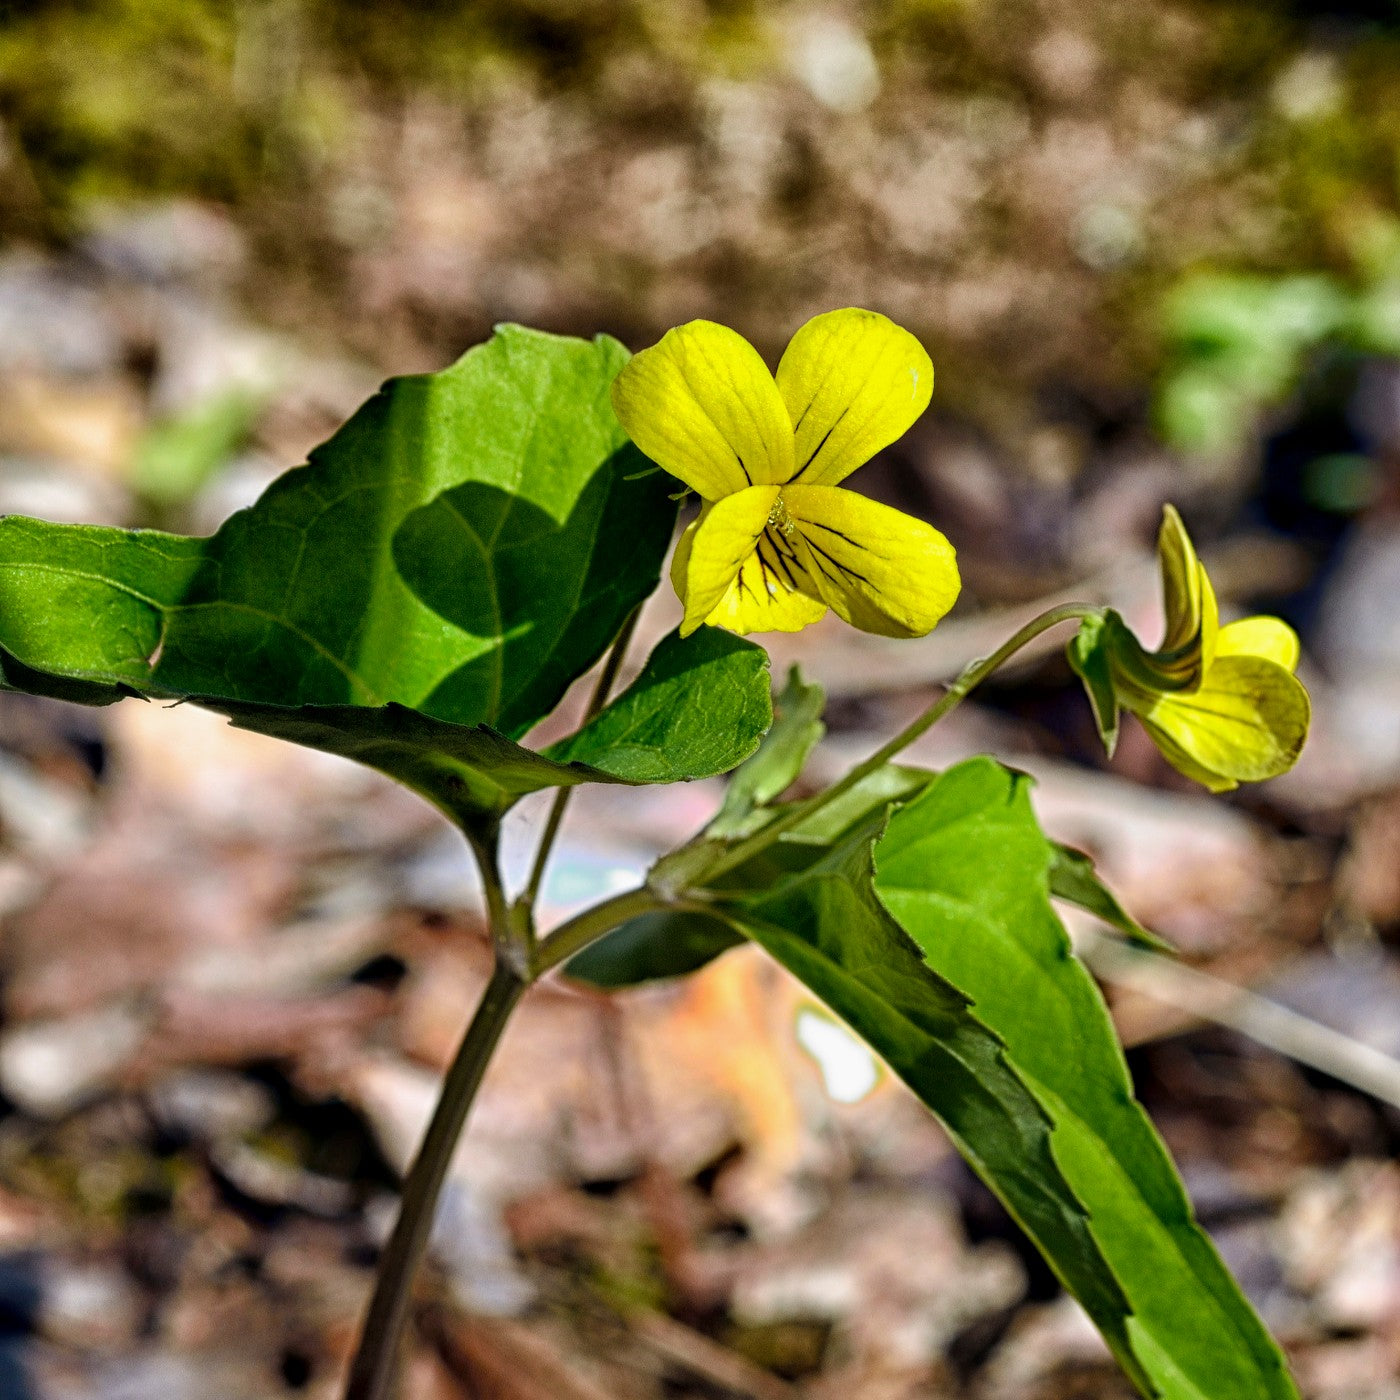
{"type": "Point", "coordinates": [606, 679]}
{"type": "Point", "coordinates": [575, 934]}
{"type": "Point", "coordinates": [372, 1376]}
{"type": "Point", "coordinates": [512, 934]}
{"type": "Point", "coordinates": [375, 1366]}
{"type": "Point", "coordinates": [956, 693]}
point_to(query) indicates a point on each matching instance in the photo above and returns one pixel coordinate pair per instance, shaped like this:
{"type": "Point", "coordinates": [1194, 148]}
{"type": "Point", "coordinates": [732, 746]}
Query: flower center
{"type": "Point", "coordinates": [780, 520]}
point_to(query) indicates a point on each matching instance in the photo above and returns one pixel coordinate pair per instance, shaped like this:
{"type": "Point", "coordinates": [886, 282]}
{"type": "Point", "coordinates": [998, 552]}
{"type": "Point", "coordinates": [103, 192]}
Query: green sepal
{"type": "Point", "coordinates": [1090, 659]}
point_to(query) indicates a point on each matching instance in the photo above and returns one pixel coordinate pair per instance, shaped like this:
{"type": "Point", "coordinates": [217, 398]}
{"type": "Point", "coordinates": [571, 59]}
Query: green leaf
{"type": "Point", "coordinates": [462, 770]}
{"type": "Point", "coordinates": [480, 770]}
{"type": "Point", "coordinates": [875, 792]}
{"type": "Point", "coordinates": [1074, 879]}
{"type": "Point", "coordinates": [964, 869]}
{"type": "Point", "coordinates": [796, 731]}
{"type": "Point", "coordinates": [699, 707]}
{"type": "Point", "coordinates": [826, 926]}
{"type": "Point", "coordinates": [805, 843]}
{"type": "Point", "coordinates": [464, 547]}
{"type": "Point", "coordinates": [651, 947]}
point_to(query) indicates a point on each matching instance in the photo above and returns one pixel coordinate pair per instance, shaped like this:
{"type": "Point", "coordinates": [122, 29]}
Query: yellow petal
{"type": "Point", "coordinates": [701, 404]}
{"type": "Point", "coordinates": [853, 382]}
{"type": "Point", "coordinates": [680, 560]}
{"type": "Point", "coordinates": [1210, 620]}
{"type": "Point", "coordinates": [1185, 764]}
{"type": "Point", "coordinates": [1247, 722]}
{"type": "Point", "coordinates": [1269, 637]}
{"type": "Point", "coordinates": [721, 542]}
{"type": "Point", "coordinates": [1188, 600]}
{"type": "Point", "coordinates": [1181, 582]}
{"type": "Point", "coordinates": [758, 601]}
{"type": "Point", "coordinates": [881, 570]}
{"type": "Point", "coordinates": [762, 596]}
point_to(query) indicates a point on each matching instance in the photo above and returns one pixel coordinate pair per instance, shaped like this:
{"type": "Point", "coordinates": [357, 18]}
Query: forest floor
{"type": "Point", "coordinates": [233, 969]}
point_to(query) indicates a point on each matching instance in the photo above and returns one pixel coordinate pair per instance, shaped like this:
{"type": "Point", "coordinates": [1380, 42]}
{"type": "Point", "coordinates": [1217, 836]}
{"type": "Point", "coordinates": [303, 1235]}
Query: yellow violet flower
{"type": "Point", "coordinates": [778, 542]}
{"type": "Point", "coordinates": [1221, 703]}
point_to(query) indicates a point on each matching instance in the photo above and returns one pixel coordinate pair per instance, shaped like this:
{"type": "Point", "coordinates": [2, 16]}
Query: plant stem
{"type": "Point", "coordinates": [606, 678]}
{"type": "Point", "coordinates": [485, 848]}
{"type": "Point", "coordinates": [520, 960]}
{"type": "Point", "coordinates": [372, 1375]}
{"type": "Point", "coordinates": [971, 677]}
{"type": "Point", "coordinates": [575, 934]}
{"type": "Point", "coordinates": [512, 932]}
{"type": "Point", "coordinates": [375, 1366]}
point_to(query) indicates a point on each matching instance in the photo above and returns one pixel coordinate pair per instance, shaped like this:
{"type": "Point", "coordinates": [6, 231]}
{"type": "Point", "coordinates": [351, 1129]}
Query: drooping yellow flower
{"type": "Point", "coordinates": [778, 541]}
{"type": "Point", "coordinates": [1221, 703]}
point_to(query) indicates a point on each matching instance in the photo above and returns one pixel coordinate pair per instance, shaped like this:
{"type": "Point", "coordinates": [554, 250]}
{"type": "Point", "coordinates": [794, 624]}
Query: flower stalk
{"type": "Point", "coordinates": [607, 678]}
{"type": "Point", "coordinates": [972, 676]}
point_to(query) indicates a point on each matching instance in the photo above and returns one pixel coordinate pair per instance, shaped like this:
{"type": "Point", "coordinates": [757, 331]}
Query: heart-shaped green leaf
{"type": "Point", "coordinates": [452, 559]}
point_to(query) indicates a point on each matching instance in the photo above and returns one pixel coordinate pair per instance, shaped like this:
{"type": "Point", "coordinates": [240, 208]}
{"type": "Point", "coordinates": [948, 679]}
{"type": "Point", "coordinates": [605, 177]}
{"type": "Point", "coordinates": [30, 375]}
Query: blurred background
{"type": "Point", "coordinates": [1153, 247]}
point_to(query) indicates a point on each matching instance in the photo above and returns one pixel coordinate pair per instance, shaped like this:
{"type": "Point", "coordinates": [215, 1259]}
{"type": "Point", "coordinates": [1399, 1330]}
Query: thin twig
{"type": "Point", "coordinates": [495, 1356]}
{"type": "Point", "coordinates": [1276, 1027]}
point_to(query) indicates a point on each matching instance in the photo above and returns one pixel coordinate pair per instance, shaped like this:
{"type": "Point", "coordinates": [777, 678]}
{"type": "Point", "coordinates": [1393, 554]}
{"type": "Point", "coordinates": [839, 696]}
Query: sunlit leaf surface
{"type": "Point", "coordinates": [417, 597]}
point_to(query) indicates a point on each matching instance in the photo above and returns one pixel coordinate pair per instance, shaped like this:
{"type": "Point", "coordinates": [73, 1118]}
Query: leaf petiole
{"type": "Point", "coordinates": [574, 935]}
